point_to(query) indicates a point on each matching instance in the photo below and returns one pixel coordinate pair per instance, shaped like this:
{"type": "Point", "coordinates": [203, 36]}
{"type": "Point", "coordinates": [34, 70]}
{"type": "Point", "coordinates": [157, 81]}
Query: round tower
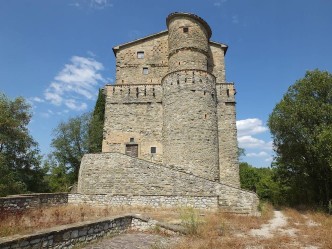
{"type": "Point", "coordinates": [190, 130]}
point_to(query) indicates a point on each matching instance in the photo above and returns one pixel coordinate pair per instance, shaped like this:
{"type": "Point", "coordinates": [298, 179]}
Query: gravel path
{"type": "Point", "coordinates": [133, 241]}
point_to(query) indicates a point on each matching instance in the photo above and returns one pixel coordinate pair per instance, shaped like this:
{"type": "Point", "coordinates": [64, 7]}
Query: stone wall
{"type": "Point", "coordinates": [17, 203]}
{"type": "Point", "coordinates": [190, 133]}
{"type": "Point", "coordinates": [228, 159]}
{"type": "Point", "coordinates": [134, 112]}
{"type": "Point", "coordinates": [80, 233]}
{"type": "Point", "coordinates": [216, 61]}
{"type": "Point", "coordinates": [155, 201]}
{"type": "Point", "coordinates": [129, 68]}
{"type": "Point", "coordinates": [116, 174]}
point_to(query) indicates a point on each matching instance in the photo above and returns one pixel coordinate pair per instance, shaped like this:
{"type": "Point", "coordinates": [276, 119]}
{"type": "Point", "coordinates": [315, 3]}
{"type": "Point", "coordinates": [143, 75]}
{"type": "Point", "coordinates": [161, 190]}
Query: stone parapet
{"type": "Point", "coordinates": [130, 94]}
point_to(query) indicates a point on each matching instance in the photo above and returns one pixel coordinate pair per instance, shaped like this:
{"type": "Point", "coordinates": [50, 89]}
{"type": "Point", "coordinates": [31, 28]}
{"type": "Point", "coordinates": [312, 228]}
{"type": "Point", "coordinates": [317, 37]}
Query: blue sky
{"type": "Point", "coordinates": [57, 53]}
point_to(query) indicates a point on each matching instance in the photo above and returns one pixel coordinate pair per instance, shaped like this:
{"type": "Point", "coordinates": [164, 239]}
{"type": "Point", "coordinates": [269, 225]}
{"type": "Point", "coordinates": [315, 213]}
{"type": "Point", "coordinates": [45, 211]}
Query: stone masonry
{"type": "Point", "coordinates": [170, 121]}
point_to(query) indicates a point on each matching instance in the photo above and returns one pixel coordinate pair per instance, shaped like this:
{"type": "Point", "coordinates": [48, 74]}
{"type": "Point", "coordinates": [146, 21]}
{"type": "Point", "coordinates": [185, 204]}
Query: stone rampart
{"type": "Point", "coordinates": [17, 203]}
{"type": "Point", "coordinates": [116, 174]}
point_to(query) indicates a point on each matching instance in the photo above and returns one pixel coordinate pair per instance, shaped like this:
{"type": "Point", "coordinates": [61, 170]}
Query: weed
{"type": "Point", "coordinates": [190, 220]}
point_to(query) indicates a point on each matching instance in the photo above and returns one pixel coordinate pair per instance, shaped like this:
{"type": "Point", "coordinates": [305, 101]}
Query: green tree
{"type": "Point", "coordinates": [249, 177]}
{"type": "Point", "coordinates": [301, 126]}
{"type": "Point", "coordinates": [59, 179]}
{"type": "Point", "coordinates": [70, 143]}
{"type": "Point", "coordinates": [20, 169]}
{"type": "Point", "coordinates": [263, 181]}
{"type": "Point", "coordinates": [97, 124]}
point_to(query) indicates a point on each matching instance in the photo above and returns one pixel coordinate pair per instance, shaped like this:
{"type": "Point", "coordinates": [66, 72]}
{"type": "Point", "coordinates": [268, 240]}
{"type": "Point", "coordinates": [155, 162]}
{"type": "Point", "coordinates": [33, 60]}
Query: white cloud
{"type": "Point", "coordinates": [76, 82]}
{"type": "Point", "coordinates": [37, 99]}
{"type": "Point", "coordinates": [74, 105]}
{"type": "Point", "coordinates": [252, 142]}
{"type": "Point", "coordinates": [250, 126]}
{"type": "Point", "coordinates": [259, 154]}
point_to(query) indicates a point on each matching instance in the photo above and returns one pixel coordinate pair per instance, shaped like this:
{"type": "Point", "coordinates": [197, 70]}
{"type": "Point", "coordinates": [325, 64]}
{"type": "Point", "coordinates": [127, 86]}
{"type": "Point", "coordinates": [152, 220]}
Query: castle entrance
{"type": "Point", "coordinates": [132, 150]}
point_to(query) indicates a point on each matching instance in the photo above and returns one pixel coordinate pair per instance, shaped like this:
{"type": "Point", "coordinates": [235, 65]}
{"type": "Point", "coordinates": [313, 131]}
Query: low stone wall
{"type": "Point", "coordinates": [83, 232]}
{"type": "Point", "coordinates": [16, 203]}
{"type": "Point", "coordinates": [201, 202]}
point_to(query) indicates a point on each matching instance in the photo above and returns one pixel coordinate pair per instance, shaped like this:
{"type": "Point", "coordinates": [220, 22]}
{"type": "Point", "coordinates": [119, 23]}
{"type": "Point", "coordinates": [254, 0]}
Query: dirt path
{"type": "Point", "coordinates": [267, 230]}
{"type": "Point", "coordinates": [278, 225]}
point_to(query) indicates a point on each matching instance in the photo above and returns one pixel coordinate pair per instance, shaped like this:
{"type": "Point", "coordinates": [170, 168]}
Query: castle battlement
{"type": "Point", "coordinates": [134, 93]}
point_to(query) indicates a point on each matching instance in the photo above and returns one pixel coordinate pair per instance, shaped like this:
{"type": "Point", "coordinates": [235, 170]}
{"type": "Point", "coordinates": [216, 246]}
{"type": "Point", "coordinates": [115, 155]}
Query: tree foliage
{"type": "Point", "coordinates": [72, 139]}
{"type": "Point", "coordinates": [97, 124]}
{"type": "Point", "coordinates": [262, 181]}
{"type": "Point", "coordinates": [70, 143]}
{"type": "Point", "coordinates": [301, 126]}
{"type": "Point", "coordinates": [20, 169]}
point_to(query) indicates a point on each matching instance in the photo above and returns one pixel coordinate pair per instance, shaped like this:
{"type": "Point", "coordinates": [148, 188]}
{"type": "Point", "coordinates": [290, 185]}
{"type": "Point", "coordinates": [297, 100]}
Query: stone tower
{"type": "Point", "coordinates": [190, 125]}
{"type": "Point", "coordinates": [170, 126]}
{"type": "Point", "coordinates": [171, 103]}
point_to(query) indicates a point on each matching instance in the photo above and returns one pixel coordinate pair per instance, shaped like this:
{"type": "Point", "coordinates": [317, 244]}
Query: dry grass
{"type": "Point", "coordinates": [206, 229]}
{"type": "Point", "coordinates": [37, 219]}
{"type": "Point", "coordinates": [224, 230]}
{"type": "Point", "coordinates": [313, 228]}
{"type": "Point", "coordinates": [220, 230]}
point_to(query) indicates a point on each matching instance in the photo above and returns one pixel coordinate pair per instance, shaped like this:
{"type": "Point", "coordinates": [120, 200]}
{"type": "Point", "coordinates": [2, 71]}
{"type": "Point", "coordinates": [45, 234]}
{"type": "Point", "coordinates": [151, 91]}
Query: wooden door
{"type": "Point", "coordinates": [132, 150]}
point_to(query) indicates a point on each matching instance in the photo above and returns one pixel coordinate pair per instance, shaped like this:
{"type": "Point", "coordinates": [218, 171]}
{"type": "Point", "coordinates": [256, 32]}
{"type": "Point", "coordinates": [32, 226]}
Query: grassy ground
{"type": "Point", "coordinates": [304, 229]}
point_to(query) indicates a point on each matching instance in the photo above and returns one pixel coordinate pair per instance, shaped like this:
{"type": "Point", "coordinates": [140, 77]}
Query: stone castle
{"type": "Point", "coordinates": [170, 125]}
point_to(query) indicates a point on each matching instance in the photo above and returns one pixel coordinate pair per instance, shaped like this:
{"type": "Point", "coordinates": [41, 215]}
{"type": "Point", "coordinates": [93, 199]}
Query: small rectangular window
{"type": "Point", "coordinates": [153, 150]}
{"type": "Point", "coordinates": [132, 140]}
{"type": "Point", "coordinates": [140, 55]}
{"type": "Point", "coordinates": [185, 30]}
{"type": "Point", "coordinates": [145, 70]}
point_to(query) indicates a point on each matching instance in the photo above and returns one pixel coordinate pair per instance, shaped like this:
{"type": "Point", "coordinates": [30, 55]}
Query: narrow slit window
{"type": "Point", "coordinates": [145, 70]}
{"type": "Point", "coordinates": [153, 150]}
{"type": "Point", "coordinates": [140, 55]}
